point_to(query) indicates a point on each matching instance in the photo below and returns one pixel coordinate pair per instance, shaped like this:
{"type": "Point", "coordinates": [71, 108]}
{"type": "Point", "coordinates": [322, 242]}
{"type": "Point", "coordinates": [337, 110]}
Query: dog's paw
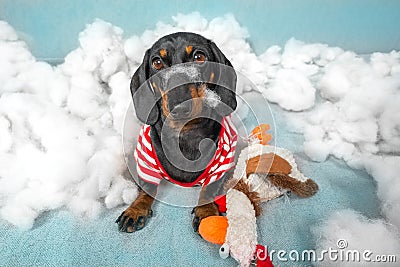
{"type": "Point", "coordinates": [201, 212]}
{"type": "Point", "coordinates": [133, 219]}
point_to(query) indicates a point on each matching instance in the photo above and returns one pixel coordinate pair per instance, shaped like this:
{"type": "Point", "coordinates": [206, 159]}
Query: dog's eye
{"type": "Point", "coordinates": [157, 64]}
{"type": "Point", "coordinates": [199, 57]}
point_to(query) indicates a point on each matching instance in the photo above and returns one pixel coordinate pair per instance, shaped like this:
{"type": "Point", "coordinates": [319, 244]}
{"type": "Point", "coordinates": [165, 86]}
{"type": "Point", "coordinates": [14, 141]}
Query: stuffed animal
{"type": "Point", "coordinates": [262, 173]}
{"type": "Point", "coordinates": [237, 232]}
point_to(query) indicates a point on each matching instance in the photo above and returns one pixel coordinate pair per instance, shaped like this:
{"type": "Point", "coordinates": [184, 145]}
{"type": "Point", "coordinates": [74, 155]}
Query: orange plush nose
{"type": "Point", "coordinates": [213, 229]}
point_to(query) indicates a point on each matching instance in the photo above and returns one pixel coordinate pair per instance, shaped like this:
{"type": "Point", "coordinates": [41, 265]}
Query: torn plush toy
{"type": "Point", "coordinates": [262, 173]}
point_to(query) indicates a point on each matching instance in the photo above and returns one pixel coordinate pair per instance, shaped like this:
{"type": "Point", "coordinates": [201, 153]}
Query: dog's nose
{"type": "Point", "coordinates": [182, 110]}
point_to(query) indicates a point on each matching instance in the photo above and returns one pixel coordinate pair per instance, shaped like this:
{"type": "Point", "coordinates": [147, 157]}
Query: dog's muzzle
{"type": "Point", "coordinates": [180, 81]}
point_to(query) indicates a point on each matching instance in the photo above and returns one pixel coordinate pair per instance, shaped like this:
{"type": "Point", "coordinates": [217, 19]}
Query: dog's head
{"type": "Point", "coordinates": [183, 76]}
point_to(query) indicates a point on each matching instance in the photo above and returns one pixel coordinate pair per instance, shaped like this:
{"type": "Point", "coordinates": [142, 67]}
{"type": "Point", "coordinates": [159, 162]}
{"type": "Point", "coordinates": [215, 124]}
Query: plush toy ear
{"type": "Point", "coordinates": [226, 80]}
{"type": "Point", "coordinates": [143, 96]}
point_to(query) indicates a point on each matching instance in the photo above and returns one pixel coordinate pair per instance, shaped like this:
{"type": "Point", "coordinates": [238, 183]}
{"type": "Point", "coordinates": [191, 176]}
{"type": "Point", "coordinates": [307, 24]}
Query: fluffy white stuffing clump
{"type": "Point", "coordinates": [292, 90]}
{"type": "Point", "coordinates": [347, 231]}
{"type": "Point", "coordinates": [61, 127]}
{"type": "Point", "coordinates": [353, 114]}
{"type": "Point", "coordinates": [385, 170]}
{"type": "Point", "coordinates": [357, 119]}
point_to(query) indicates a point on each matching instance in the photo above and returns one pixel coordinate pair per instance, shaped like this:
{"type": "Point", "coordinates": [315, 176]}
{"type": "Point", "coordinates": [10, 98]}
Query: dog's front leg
{"type": "Point", "coordinates": [134, 218]}
{"type": "Point", "coordinates": [205, 208]}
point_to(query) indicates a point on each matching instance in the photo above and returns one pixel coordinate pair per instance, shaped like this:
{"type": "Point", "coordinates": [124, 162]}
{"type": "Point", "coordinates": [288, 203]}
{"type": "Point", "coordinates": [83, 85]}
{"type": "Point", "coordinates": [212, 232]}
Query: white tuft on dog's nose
{"type": "Point", "coordinates": [212, 98]}
{"type": "Point", "coordinates": [190, 71]}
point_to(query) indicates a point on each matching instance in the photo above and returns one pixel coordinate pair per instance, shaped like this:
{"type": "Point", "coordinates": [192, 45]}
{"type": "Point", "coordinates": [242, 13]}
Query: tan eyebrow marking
{"type": "Point", "coordinates": [188, 49]}
{"type": "Point", "coordinates": [163, 53]}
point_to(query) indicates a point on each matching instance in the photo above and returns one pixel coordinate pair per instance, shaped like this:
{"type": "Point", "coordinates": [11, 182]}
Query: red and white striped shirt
{"type": "Point", "coordinates": [150, 169]}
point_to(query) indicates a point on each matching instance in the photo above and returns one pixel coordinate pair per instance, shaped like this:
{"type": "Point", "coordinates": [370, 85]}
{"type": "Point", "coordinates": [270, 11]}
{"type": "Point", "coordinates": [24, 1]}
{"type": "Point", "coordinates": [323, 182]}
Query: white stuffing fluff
{"type": "Point", "coordinates": [357, 119]}
{"type": "Point", "coordinates": [190, 71]}
{"type": "Point", "coordinates": [292, 90]}
{"type": "Point", "coordinates": [360, 234]}
{"type": "Point", "coordinates": [212, 98]}
{"type": "Point", "coordinates": [61, 127]}
{"type": "Point", "coordinates": [385, 170]}
{"type": "Point", "coordinates": [241, 235]}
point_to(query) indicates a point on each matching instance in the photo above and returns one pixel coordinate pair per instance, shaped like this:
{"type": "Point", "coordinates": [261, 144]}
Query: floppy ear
{"type": "Point", "coordinates": [226, 81]}
{"type": "Point", "coordinates": [142, 94]}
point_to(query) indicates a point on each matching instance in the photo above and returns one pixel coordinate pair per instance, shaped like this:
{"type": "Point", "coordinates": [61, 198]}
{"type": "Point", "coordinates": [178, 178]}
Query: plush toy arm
{"type": "Point", "coordinates": [241, 235]}
{"type": "Point", "coordinates": [302, 189]}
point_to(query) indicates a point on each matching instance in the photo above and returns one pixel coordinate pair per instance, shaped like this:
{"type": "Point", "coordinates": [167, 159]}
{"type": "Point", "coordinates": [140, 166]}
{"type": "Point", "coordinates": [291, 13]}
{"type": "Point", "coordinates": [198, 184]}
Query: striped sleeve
{"type": "Point", "coordinates": [146, 165]}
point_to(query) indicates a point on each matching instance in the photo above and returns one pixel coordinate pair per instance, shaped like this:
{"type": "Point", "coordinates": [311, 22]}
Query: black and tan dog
{"type": "Point", "coordinates": [182, 99]}
{"type": "Point", "coordinates": [183, 92]}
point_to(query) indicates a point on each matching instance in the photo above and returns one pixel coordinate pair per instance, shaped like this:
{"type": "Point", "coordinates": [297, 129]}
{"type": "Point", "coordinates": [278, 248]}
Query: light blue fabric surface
{"type": "Point", "coordinates": [59, 239]}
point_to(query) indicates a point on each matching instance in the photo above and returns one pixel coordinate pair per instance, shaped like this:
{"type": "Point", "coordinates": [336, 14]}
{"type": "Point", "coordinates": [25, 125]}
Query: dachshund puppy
{"type": "Point", "coordinates": [183, 92]}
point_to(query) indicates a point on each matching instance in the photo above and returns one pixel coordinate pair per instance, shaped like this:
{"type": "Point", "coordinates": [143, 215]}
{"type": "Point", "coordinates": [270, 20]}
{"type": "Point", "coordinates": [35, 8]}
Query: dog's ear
{"type": "Point", "coordinates": [226, 80]}
{"type": "Point", "coordinates": [142, 94]}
